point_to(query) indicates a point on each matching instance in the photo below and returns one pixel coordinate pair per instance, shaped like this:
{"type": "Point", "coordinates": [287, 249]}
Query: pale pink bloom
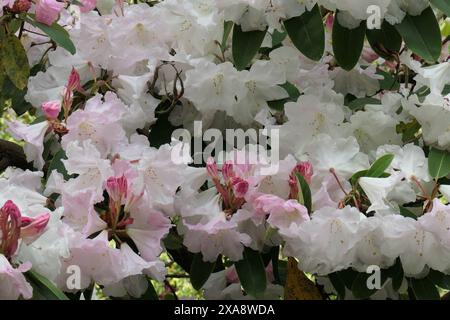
{"type": "Point", "coordinates": [47, 11]}
{"type": "Point", "coordinates": [105, 265]}
{"type": "Point", "coordinates": [79, 212]}
{"type": "Point", "coordinates": [437, 222]}
{"type": "Point", "coordinates": [33, 135]}
{"type": "Point", "coordinates": [282, 213]}
{"type": "Point", "coordinates": [217, 236]}
{"type": "Point", "coordinates": [12, 281]}
{"type": "Point", "coordinates": [98, 122]}
{"type": "Point", "coordinates": [147, 230]}
{"type": "Point", "coordinates": [88, 5]}
{"type": "Point", "coordinates": [51, 109]}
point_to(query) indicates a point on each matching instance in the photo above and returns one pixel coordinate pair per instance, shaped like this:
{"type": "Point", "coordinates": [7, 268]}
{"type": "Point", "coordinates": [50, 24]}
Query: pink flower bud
{"type": "Point", "coordinates": [227, 170]}
{"type": "Point", "coordinates": [33, 227]}
{"type": "Point", "coordinates": [21, 6]}
{"type": "Point", "coordinates": [51, 109]}
{"type": "Point", "coordinates": [329, 22]}
{"type": "Point", "coordinates": [117, 188]}
{"type": "Point", "coordinates": [10, 222]}
{"type": "Point", "coordinates": [88, 5]}
{"type": "Point", "coordinates": [47, 11]}
{"type": "Point", "coordinates": [369, 55]}
{"type": "Point", "coordinates": [211, 167]}
{"type": "Point", "coordinates": [74, 82]}
{"type": "Point", "coordinates": [305, 168]}
{"type": "Point", "coordinates": [240, 187]}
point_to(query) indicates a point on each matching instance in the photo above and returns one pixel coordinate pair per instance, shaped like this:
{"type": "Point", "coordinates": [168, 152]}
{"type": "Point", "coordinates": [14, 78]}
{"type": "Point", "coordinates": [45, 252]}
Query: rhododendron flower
{"type": "Point", "coordinates": [12, 281]}
{"type": "Point", "coordinates": [47, 11]}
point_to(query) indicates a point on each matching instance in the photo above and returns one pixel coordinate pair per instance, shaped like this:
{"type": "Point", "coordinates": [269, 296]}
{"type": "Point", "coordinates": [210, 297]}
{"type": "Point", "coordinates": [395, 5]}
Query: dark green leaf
{"type": "Point", "coordinates": [360, 103]}
{"type": "Point", "coordinates": [359, 287]}
{"type": "Point", "coordinates": [307, 33]}
{"type": "Point", "coordinates": [56, 32]}
{"type": "Point", "coordinates": [443, 5]}
{"type": "Point", "coordinates": [384, 41]}
{"type": "Point", "coordinates": [396, 274]}
{"type": "Point", "coordinates": [348, 44]}
{"type": "Point", "coordinates": [15, 61]}
{"type": "Point", "coordinates": [10, 92]}
{"type": "Point", "coordinates": [251, 272]}
{"type": "Point", "coordinates": [58, 165]}
{"type": "Point", "coordinates": [380, 165]}
{"type": "Point", "coordinates": [438, 163]}
{"type": "Point", "coordinates": [304, 193]}
{"type": "Point", "coordinates": [293, 92]}
{"type": "Point", "coordinates": [277, 38]}
{"type": "Point", "coordinates": [440, 279]}
{"type": "Point", "coordinates": [44, 288]}
{"type": "Point", "coordinates": [422, 34]}
{"type": "Point", "coordinates": [200, 271]}
{"type": "Point", "coordinates": [407, 213]}
{"type": "Point", "coordinates": [389, 82]}
{"type": "Point", "coordinates": [338, 284]}
{"type": "Point", "coordinates": [424, 289]}
{"type": "Point", "coordinates": [245, 45]}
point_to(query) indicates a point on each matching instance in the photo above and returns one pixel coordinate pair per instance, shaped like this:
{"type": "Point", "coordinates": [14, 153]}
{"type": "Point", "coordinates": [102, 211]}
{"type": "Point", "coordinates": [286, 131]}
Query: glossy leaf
{"type": "Point", "coordinates": [200, 271]}
{"type": "Point", "coordinates": [438, 163]}
{"type": "Point", "coordinates": [245, 46]}
{"type": "Point", "coordinates": [251, 272]}
{"type": "Point", "coordinates": [422, 34]}
{"type": "Point", "coordinates": [307, 33]}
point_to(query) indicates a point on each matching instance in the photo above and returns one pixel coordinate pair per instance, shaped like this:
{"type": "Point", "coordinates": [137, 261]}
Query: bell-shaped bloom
{"type": "Point", "coordinates": [47, 11]}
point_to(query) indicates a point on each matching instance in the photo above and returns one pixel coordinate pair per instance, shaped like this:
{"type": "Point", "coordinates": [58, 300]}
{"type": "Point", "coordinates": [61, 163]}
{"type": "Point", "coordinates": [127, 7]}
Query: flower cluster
{"type": "Point", "coordinates": [362, 173]}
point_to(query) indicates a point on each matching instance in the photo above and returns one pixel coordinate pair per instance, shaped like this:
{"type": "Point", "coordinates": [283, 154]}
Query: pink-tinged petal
{"type": "Point", "coordinates": [33, 135]}
{"type": "Point", "coordinates": [13, 283]}
{"type": "Point", "coordinates": [47, 11]}
{"type": "Point", "coordinates": [88, 5]}
{"type": "Point", "coordinates": [32, 228]}
{"type": "Point", "coordinates": [147, 231]}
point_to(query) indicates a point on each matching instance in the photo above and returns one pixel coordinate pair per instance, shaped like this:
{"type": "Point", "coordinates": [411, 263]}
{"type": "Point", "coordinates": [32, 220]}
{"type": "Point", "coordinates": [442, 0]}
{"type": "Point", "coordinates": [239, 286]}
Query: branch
{"type": "Point", "coordinates": [12, 154]}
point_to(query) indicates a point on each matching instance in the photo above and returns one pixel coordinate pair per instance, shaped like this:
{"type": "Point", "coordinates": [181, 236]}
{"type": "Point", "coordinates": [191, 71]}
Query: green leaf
{"type": "Point", "coordinates": [150, 294]}
{"type": "Point", "coordinates": [56, 32]}
{"type": "Point", "coordinates": [173, 241]}
{"type": "Point", "coordinates": [245, 46]}
{"type": "Point", "coordinates": [359, 287]}
{"type": "Point", "coordinates": [338, 284]}
{"type": "Point", "coordinates": [438, 163]}
{"type": "Point", "coordinates": [304, 192]}
{"type": "Point", "coordinates": [15, 61]}
{"type": "Point", "coordinates": [293, 92]}
{"type": "Point", "coordinates": [384, 41]}
{"type": "Point", "coordinates": [380, 165]}
{"type": "Point", "coordinates": [389, 82]}
{"type": "Point", "coordinates": [277, 38]}
{"type": "Point", "coordinates": [443, 5]}
{"type": "Point", "coordinates": [407, 213]}
{"type": "Point", "coordinates": [200, 271]}
{"type": "Point", "coordinates": [307, 33]}
{"type": "Point", "coordinates": [360, 103]}
{"type": "Point", "coordinates": [58, 165]}
{"type": "Point", "coordinates": [227, 27]}
{"type": "Point", "coordinates": [44, 288]}
{"type": "Point", "coordinates": [440, 279]}
{"type": "Point", "coordinates": [396, 274]}
{"type": "Point", "coordinates": [348, 44]}
{"type": "Point", "coordinates": [10, 92]}
{"type": "Point", "coordinates": [424, 289]}
{"type": "Point", "coordinates": [251, 272]}
{"type": "Point", "coordinates": [422, 34]}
